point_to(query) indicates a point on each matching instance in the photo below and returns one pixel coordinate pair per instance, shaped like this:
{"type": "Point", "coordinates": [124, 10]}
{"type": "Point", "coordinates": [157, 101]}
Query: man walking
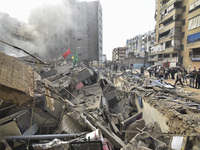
{"type": "Point", "coordinates": [178, 78]}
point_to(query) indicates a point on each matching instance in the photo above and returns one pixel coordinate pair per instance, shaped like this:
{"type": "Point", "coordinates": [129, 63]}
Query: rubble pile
{"type": "Point", "coordinates": [58, 106]}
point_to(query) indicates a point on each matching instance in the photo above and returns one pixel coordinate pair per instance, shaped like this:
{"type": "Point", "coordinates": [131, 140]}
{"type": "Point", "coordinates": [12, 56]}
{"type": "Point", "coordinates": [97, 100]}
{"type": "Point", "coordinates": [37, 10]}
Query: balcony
{"type": "Point", "coordinates": [153, 59]}
{"type": "Point", "coordinates": [172, 34]}
{"type": "Point", "coordinates": [168, 50]}
{"type": "Point", "coordinates": [195, 58]}
{"type": "Point", "coordinates": [178, 11]}
{"type": "Point", "coordinates": [168, 4]}
{"type": "Point", "coordinates": [169, 26]}
{"type": "Point", "coordinates": [171, 59]}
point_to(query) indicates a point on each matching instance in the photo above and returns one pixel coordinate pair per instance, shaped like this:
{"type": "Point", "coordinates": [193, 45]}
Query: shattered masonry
{"type": "Point", "coordinates": [56, 106]}
{"type": "Point", "coordinates": [16, 82]}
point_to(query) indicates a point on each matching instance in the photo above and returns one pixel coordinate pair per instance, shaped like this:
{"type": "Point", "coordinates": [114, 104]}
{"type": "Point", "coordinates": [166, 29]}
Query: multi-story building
{"type": "Point", "coordinates": [177, 33]}
{"type": "Point", "coordinates": [77, 26]}
{"type": "Point", "coordinates": [18, 33]}
{"type": "Point", "coordinates": [138, 45]}
{"type": "Point", "coordinates": [133, 46]}
{"type": "Point", "coordinates": [104, 58]}
{"type": "Point", "coordinates": [168, 34]}
{"type": "Point", "coordinates": [119, 54]}
{"type": "Point", "coordinates": [95, 30]}
{"type": "Point", "coordinates": [190, 47]}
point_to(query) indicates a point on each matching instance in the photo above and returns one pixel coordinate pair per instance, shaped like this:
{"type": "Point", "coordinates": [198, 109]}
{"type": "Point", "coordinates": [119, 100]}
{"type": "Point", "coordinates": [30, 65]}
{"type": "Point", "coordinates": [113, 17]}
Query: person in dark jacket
{"type": "Point", "coordinates": [185, 75]}
{"type": "Point", "coordinates": [172, 71]}
{"type": "Point", "coordinates": [198, 79]}
{"type": "Point", "coordinates": [178, 79]}
{"type": "Point", "coordinates": [142, 69]}
{"type": "Point", "coordinates": [191, 78]}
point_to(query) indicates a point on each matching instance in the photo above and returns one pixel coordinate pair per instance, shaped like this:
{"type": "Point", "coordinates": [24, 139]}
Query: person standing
{"type": "Point", "coordinates": [166, 72]}
{"type": "Point", "coordinates": [178, 79]}
{"type": "Point", "coordinates": [198, 79]}
{"type": "Point", "coordinates": [191, 77]}
{"type": "Point", "coordinates": [142, 70]}
{"type": "Point", "coordinates": [195, 76]}
{"type": "Point", "coordinates": [161, 72]}
{"type": "Point", "coordinates": [150, 72]}
{"type": "Point", "coordinates": [155, 71]}
{"type": "Point", "coordinates": [184, 75]}
{"type": "Point", "coordinates": [172, 73]}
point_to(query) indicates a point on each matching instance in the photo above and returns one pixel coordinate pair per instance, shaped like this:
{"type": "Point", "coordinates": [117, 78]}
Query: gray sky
{"type": "Point", "coordinates": [122, 19]}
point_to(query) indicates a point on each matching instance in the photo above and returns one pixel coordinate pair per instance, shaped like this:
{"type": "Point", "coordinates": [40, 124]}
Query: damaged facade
{"type": "Point", "coordinates": [137, 49]}
{"type": "Point", "coordinates": [177, 34]}
{"type": "Point", "coordinates": [61, 107]}
{"type": "Point", "coordinates": [175, 40]}
{"type": "Point", "coordinates": [81, 30]}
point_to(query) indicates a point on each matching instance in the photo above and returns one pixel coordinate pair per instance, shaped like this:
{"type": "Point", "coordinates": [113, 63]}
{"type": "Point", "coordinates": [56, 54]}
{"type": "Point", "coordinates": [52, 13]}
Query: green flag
{"type": "Point", "coordinates": [75, 60]}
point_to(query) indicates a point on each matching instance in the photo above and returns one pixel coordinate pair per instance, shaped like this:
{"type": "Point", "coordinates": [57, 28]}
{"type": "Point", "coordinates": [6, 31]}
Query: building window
{"type": "Point", "coordinates": [193, 38]}
{"type": "Point", "coordinates": [190, 54]}
{"type": "Point", "coordinates": [181, 60]}
{"type": "Point", "coordinates": [182, 47]}
{"type": "Point", "coordinates": [160, 56]}
{"type": "Point", "coordinates": [183, 34]}
{"type": "Point", "coordinates": [166, 56]}
{"type": "Point", "coordinates": [194, 23]}
{"type": "Point", "coordinates": [174, 55]}
{"type": "Point", "coordinates": [168, 44]}
{"type": "Point", "coordinates": [184, 8]}
{"type": "Point", "coordinates": [183, 22]}
{"type": "Point", "coordinates": [195, 54]}
{"type": "Point", "coordinates": [194, 6]}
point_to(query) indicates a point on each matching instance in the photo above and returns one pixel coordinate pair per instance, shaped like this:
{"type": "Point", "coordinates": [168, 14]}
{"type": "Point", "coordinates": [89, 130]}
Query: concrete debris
{"type": "Point", "coordinates": [58, 106]}
{"type": "Point", "coordinates": [16, 80]}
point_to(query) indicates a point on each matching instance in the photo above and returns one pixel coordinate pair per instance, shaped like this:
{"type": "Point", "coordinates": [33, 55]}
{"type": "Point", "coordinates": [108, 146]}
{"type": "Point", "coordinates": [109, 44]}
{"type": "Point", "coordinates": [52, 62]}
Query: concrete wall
{"type": "Point", "coordinates": [136, 62]}
{"type": "Point", "coordinates": [150, 114]}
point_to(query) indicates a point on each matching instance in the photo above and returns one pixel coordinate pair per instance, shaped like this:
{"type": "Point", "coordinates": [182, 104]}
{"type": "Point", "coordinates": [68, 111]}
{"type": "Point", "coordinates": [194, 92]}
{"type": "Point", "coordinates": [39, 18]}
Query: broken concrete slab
{"type": "Point", "coordinates": [116, 141]}
{"type": "Point", "coordinates": [16, 80]}
{"type": "Point", "coordinates": [69, 125]}
{"type": "Point", "coordinates": [131, 130]}
{"type": "Point", "coordinates": [49, 73]}
{"type": "Point", "coordinates": [130, 120]}
{"type": "Point", "coordinates": [83, 75]}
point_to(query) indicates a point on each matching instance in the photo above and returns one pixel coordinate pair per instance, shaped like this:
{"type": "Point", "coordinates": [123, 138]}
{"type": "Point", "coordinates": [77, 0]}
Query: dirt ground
{"type": "Point", "coordinates": [185, 88]}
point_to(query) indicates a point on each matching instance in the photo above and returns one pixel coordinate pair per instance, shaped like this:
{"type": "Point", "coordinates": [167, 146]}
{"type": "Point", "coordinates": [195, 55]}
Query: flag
{"type": "Point", "coordinates": [66, 53]}
{"type": "Point", "coordinates": [75, 60]}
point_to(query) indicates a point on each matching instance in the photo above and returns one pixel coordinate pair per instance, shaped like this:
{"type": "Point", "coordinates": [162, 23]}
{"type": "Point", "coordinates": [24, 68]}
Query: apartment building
{"type": "Point", "coordinates": [177, 34]}
{"type": "Point", "coordinates": [190, 47]}
{"type": "Point", "coordinates": [119, 54]}
{"type": "Point", "coordinates": [168, 34]}
{"type": "Point", "coordinates": [104, 58]}
{"type": "Point", "coordinates": [95, 31]}
{"type": "Point", "coordinates": [133, 46]}
{"type": "Point", "coordinates": [18, 33]}
{"type": "Point", "coordinates": [77, 25]}
{"type": "Point", "coordinates": [138, 45]}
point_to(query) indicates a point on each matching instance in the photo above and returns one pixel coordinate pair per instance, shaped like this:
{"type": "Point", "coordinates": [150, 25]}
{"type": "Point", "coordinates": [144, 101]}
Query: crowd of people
{"type": "Point", "coordinates": [177, 74]}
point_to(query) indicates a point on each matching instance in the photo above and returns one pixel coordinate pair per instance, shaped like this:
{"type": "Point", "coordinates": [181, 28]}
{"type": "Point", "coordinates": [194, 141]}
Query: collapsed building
{"type": "Point", "coordinates": [54, 105]}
